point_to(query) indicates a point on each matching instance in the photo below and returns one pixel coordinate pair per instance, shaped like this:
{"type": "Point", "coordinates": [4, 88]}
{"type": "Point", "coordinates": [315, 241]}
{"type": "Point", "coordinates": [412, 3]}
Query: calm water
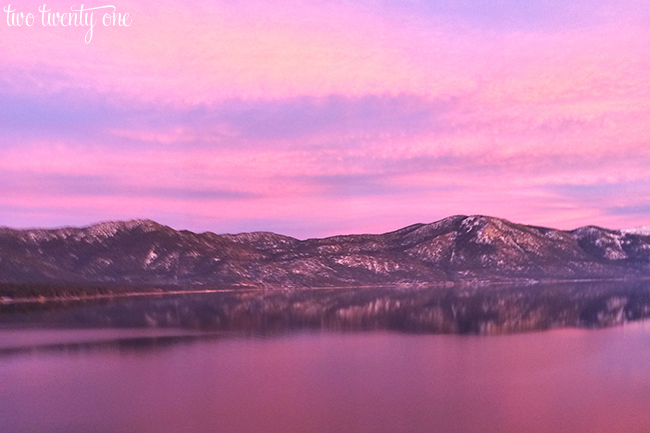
{"type": "Point", "coordinates": [157, 381]}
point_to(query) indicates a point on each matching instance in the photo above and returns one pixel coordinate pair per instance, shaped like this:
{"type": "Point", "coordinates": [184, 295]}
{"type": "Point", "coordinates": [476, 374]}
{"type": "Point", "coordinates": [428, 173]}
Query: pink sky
{"type": "Point", "coordinates": [321, 118]}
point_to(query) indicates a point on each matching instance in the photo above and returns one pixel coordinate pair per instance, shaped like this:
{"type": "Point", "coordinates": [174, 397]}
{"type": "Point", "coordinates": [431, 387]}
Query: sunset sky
{"type": "Point", "coordinates": [322, 117]}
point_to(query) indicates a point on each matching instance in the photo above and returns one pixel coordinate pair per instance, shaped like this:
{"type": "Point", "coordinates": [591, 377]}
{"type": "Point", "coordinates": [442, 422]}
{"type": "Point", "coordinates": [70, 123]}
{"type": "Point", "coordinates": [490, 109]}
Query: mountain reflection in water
{"type": "Point", "coordinates": [460, 309]}
{"type": "Point", "coordinates": [23, 341]}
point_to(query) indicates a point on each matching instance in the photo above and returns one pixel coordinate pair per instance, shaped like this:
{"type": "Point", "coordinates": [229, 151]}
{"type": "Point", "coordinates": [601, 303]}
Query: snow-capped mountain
{"type": "Point", "coordinates": [643, 231]}
{"type": "Point", "coordinates": [474, 248]}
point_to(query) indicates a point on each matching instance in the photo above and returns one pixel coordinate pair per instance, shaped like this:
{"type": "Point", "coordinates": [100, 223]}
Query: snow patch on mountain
{"type": "Point", "coordinates": [642, 231]}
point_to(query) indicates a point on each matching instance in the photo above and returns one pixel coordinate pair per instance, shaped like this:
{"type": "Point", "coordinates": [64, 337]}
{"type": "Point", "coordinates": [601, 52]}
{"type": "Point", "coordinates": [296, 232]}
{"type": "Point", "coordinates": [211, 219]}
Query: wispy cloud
{"type": "Point", "coordinates": [76, 114]}
{"type": "Point", "coordinates": [317, 118]}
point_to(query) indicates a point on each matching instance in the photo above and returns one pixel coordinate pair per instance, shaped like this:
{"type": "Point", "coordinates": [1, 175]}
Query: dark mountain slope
{"type": "Point", "coordinates": [455, 248]}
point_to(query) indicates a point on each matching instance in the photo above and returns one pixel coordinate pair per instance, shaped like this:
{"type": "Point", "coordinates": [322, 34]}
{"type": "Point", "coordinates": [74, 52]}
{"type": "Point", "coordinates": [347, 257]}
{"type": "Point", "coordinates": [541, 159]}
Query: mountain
{"type": "Point", "coordinates": [643, 231]}
{"type": "Point", "coordinates": [458, 248]}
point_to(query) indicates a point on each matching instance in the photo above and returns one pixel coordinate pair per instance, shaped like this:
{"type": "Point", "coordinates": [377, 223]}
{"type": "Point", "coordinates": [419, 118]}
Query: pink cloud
{"type": "Point", "coordinates": [363, 119]}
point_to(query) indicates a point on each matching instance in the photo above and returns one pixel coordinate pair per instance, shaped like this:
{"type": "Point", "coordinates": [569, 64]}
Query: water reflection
{"type": "Point", "coordinates": [35, 341]}
{"type": "Point", "coordinates": [462, 309]}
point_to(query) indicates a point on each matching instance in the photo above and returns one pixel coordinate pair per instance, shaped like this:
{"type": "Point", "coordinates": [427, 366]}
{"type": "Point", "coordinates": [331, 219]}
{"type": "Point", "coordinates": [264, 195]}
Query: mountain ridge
{"type": "Point", "coordinates": [459, 248]}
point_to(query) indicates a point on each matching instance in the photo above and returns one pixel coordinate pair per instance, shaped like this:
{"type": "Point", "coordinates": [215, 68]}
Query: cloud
{"type": "Point", "coordinates": [80, 115]}
{"type": "Point", "coordinates": [308, 116]}
{"type": "Point", "coordinates": [515, 15]}
{"type": "Point", "coordinates": [75, 185]}
{"type": "Point", "coordinates": [642, 210]}
{"type": "Point", "coordinates": [354, 115]}
{"type": "Point", "coordinates": [346, 186]}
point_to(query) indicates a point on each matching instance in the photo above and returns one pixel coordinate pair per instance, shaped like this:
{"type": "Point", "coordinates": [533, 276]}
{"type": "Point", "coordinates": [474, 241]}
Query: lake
{"type": "Point", "coordinates": [172, 380]}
